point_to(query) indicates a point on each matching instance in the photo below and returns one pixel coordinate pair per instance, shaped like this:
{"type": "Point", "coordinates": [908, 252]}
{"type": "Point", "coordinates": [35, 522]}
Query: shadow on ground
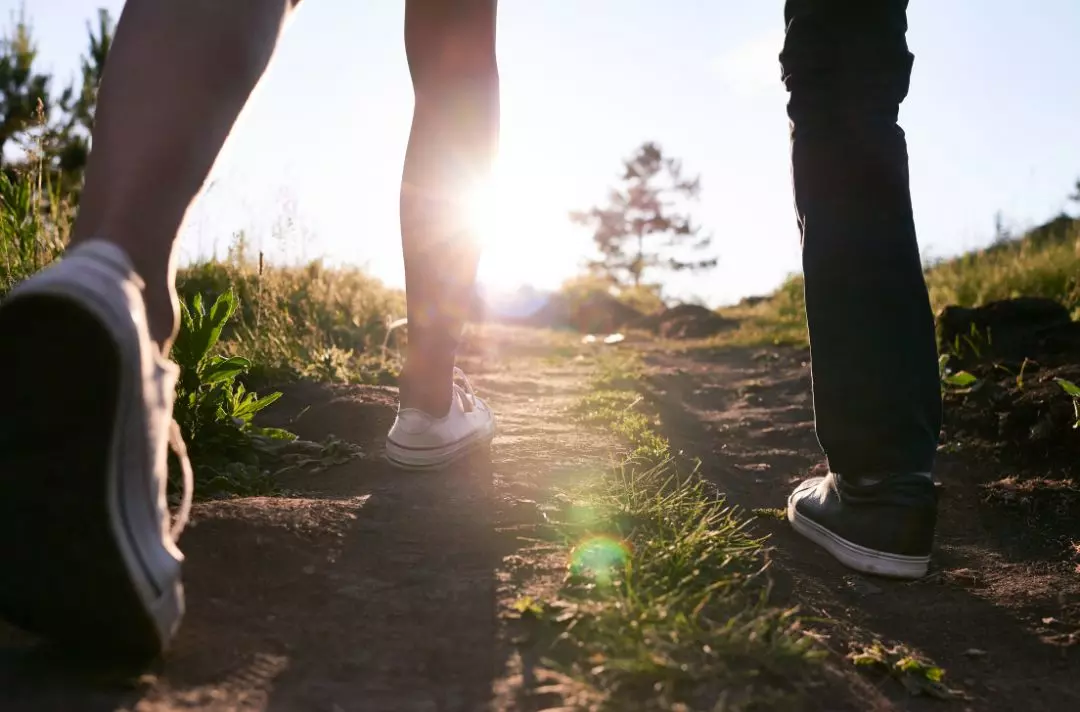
{"type": "Point", "coordinates": [367, 588]}
{"type": "Point", "coordinates": [360, 593]}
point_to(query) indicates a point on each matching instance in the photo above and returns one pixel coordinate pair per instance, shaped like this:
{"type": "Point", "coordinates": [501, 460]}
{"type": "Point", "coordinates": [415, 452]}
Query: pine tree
{"type": "Point", "coordinates": [642, 227]}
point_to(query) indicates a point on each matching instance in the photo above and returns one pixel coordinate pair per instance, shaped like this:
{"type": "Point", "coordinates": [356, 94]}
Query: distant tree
{"type": "Point", "coordinates": [69, 138]}
{"type": "Point", "coordinates": [642, 226]}
{"type": "Point", "coordinates": [24, 93]}
{"type": "Point", "coordinates": [1075, 195]}
{"type": "Point", "coordinates": [1001, 233]}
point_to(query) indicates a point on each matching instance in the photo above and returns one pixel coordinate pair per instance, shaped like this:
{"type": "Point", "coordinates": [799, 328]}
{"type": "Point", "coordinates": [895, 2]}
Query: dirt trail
{"type": "Point", "coordinates": [370, 589]}
{"type": "Point", "coordinates": [1000, 611]}
{"type": "Point", "coordinates": [375, 590]}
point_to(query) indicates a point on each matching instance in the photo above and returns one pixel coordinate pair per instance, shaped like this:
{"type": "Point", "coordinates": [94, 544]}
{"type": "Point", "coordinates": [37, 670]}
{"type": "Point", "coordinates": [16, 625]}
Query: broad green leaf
{"type": "Point", "coordinates": [224, 369]}
{"type": "Point", "coordinates": [192, 342]}
{"type": "Point", "coordinates": [961, 379]}
{"type": "Point", "coordinates": [182, 350]}
{"type": "Point", "coordinates": [203, 339]}
{"type": "Point", "coordinates": [223, 309]}
{"type": "Point", "coordinates": [1069, 387]}
{"type": "Point", "coordinates": [253, 405]}
{"type": "Point", "coordinates": [277, 434]}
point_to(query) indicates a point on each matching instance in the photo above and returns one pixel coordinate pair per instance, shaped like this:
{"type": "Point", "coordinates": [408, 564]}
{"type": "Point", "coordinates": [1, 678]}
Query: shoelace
{"type": "Point", "coordinates": [468, 389]}
{"type": "Point", "coordinates": [176, 442]}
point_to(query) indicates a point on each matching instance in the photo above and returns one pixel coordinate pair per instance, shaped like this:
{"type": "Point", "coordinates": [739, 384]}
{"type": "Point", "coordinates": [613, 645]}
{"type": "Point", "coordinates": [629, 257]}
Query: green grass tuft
{"type": "Point", "coordinates": [1043, 263]}
{"type": "Point", "coordinates": [305, 321]}
{"type": "Point", "coordinates": [665, 603]}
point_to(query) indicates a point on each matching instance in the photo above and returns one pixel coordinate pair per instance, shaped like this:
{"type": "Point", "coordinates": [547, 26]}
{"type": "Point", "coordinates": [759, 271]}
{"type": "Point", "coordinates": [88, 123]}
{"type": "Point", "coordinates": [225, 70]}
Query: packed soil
{"type": "Point", "coordinates": [372, 589]}
{"type": "Point", "coordinates": [1000, 610]}
{"type": "Point", "coordinates": [367, 588]}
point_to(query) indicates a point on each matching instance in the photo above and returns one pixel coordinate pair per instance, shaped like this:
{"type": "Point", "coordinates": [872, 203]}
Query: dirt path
{"type": "Point", "coordinates": [1000, 612]}
{"type": "Point", "coordinates": [374, 590]}
{"type": "Point", "coordinates": [370, 589]}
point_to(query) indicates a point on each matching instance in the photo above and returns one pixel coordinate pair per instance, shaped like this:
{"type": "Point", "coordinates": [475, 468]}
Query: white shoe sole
{"type": "Point", "coordinates": [859, 558]}
{"type": "Point", "coordinates": [73, 566]}
{"type": "Point", "coordinates": [434, 458]}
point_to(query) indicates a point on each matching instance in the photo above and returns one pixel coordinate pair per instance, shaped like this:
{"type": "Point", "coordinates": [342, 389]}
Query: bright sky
{"type": "Point", "coordinates": [991, 123]}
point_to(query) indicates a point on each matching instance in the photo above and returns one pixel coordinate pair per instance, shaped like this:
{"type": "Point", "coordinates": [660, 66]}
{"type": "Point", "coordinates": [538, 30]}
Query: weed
{"type": "Point", "coordinates": [213, 409]}
{"type": "Point", "coordinates": [664, 605]}
{"type": "Point", "coordinates": [1019, 375]}
{"type": "Point", "coordinates": [303, 321]}
{"type": "Point", "coordinates": [917, 675]}
{"type": "Point", "coordinates": [771, 512]}
{"type": "Point", "coordinates": [1073, 391]}
{"type": "Point", "coordinates": [615, 410]}
{"type": "Point", "coordinates": [267, 324]}
{"type": "Point", "coordinates": [1043, 263]}
{"type": "Point", "coordinates": [777, 320]}
{"type": "Point", "coordinates": [33, 225]}
{"type": "Point", "coordinates": [958, 381]}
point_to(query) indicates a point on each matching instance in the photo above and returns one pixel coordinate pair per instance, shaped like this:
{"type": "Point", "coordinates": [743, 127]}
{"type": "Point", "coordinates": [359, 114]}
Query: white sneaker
{"type": "Point", "coordinates": [87, 553]}
{"type": "Point", "coordinates": [418, 441]}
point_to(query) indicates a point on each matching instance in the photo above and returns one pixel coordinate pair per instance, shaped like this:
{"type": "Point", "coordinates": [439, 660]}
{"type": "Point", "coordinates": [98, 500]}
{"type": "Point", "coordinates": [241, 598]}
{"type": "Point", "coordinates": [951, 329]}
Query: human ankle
{"type": "Point", "coordinates": [428, 389]}
{"type": "Point", "coordinates": [158, 275]}
{"type": "Point", "coordinates": [434, 403]}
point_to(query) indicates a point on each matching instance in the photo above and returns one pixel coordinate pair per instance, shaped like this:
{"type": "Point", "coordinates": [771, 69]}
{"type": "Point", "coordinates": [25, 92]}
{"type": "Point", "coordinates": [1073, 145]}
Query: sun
{"type": "Point", "coordinates": [481, 205]}
{"type": "Point", "coordinates": [521, 228]}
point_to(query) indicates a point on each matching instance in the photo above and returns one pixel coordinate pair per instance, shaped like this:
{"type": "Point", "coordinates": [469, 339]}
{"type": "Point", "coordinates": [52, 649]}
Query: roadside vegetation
{"type": "Point", "coordinates": [246, 327]}
{"type": "Point", "coordinates": [665, 603]}
{"type": "Point", "coordinates": [1044, 262]}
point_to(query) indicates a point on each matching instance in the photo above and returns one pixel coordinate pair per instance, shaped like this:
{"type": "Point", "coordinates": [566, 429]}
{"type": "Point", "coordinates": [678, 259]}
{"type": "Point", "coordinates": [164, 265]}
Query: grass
{"type": "Point", "coordinates": [306, 321]}
{"type": "Point", "coordinates": [919, 676]}
{"type": "Point", "coordinates": [246, 325]}
{"type": "Point", "coordinates": [779, 319]}
{"type": "Point", "coordinates": [1045, 262]}
{"type": "Point", "coordinates": [645, 299]}
{"type": "Point", "coordinates": [229, 452]}
{"type": "Point", "coordinates": [665, 603]}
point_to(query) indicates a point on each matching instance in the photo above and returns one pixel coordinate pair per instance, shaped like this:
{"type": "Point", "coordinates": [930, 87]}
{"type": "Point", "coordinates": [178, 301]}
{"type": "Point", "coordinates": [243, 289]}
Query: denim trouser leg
{"type": "Point", "coordinates": [877, 398]}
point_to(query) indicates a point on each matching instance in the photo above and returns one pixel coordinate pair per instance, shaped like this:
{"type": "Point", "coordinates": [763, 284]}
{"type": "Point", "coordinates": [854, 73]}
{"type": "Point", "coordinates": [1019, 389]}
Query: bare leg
{"type": "Point", "coordinates": [450, 46]}
{"type": "Point", "coordinates": [178, 74]}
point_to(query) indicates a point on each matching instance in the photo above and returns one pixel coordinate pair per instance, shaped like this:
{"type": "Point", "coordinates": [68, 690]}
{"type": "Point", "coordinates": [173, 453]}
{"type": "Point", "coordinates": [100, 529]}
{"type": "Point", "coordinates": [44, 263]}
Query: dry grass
{"type": "Point", "coordinates": [1043, 263]}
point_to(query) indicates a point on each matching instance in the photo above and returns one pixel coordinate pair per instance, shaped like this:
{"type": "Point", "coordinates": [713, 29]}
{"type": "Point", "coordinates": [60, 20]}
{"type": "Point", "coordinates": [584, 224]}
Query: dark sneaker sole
{"type": "Point", "coordinates": [62, 572]}
{"type": "Point", "coordinates": [859, 558]}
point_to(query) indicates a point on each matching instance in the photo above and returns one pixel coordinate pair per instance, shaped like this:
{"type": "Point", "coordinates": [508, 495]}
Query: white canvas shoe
{"type": "Point", "coordinates": [87, 553]}
{"type": "Point", "coordinates": [418, 441]}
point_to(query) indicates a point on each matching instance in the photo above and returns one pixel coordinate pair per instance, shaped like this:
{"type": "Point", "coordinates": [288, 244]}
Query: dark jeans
{"type": "Point", "coordinates": [877, 398]}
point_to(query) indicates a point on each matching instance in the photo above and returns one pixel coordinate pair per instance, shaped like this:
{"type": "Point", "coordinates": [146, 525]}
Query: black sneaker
{"type": "Point", "coordinates": [883, 527]}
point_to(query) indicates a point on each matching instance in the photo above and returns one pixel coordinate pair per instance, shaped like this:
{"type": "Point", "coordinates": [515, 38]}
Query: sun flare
{"type": "Point", "coordinates": [481, 203]}
{"type": "Point", "coordinates": [523, 231]}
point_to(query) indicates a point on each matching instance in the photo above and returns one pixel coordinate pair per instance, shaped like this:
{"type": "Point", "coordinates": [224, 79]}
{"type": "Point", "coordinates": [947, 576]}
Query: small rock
{"type": "Point", "coordinates": [975, 653]}
{"type": "Point", "coordinates": [862, 587]}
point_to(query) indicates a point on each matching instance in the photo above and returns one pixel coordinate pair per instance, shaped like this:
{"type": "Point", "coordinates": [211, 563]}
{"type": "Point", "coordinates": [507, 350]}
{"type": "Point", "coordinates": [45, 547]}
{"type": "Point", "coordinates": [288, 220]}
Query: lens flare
{"type": "Point", "coordinates": [600, 558]}
{"type": "Point", "coordinates": [481, 207]}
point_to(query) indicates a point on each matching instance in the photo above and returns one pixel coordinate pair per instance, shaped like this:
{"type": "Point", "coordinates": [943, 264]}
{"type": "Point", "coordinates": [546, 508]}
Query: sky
{"type": "Point", "coordinates": [312, 168]}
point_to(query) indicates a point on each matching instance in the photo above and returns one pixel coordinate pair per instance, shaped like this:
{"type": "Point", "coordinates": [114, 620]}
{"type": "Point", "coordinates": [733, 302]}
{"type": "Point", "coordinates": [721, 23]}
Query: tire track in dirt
{"type": "Point", "coordinates": [369, 589]}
